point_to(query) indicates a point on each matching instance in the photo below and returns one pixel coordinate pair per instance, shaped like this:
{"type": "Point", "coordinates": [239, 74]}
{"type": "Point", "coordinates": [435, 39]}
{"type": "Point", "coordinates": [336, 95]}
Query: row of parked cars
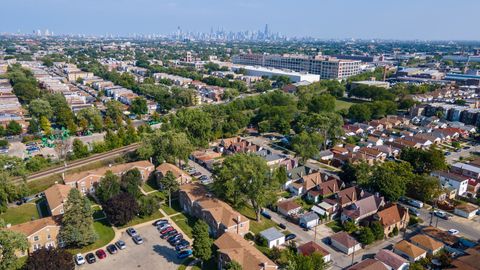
{"type": "Point", "coordinates": [100, 253]}
{"type": "Point", "coordinates": [174, 238]}
{"type": "Point", "coordinates": [193, 172]}
{"type": "Point", "coordinates": [112, 249]}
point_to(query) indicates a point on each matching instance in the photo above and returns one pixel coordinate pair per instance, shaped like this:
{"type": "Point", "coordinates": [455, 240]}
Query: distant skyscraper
{"type": "Point", "coordinates": [266, 30]}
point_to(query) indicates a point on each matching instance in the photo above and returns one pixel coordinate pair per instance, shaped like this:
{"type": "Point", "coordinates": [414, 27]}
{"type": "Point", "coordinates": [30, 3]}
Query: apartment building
{"type": "Point", "coordinates": [39, 233]}
{"type": "Point", "coordinates": [220, 217]}
{"type": "Point", "coordinates": [325, 66]}
{"type": "Point", "coordinates": [85, 181]}
{"type": "Point", "coordinates": [56, 196]}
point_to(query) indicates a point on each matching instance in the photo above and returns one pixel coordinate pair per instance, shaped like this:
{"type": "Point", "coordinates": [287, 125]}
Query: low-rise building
{"type": "Point", "coordinates": [273, 237]}
{"type": "Point", "coordinates": [345, 242]}
{"type": "Point", "coordinates": [362, 208]}
{"type": "Point", "coordinates": [427, 243]}
{"type": "Point", "coordinates": [308, 220]}
{"type": "Point", "coordinates": [40, 233]}
{"type": "Point", "coordinates": [392, 260]}
{"type": "Point", "coordinates": [466, 170]}
{"type": "Point", "coordinates": [466, 210]}
{"type": "Point", "coordinates": [409, 250]}
{"type": "Point", "coordinates": [56, 196]}
{"type": "Point", "coordinates": [288, 208]}
{"type": "Point", "coordinates": [232, 247]}
{"type": "Point", "coordinates": [368, 264]}
{"type": "Point", "coordinates": [180, 176]}
{"type": "Point", "coordinates": [456, 181]}
{"type": "Point", "coordinates": [220, 217]}
{"type": "Point", "coordinates": [311, 247]}
{"type": "Point", "coordinates": [391, 217]}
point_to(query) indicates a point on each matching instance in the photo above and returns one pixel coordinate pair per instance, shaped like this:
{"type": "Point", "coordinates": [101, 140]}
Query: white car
{"type": "Point", "coordinates": [453, 232]}
{"type": "Point", "coordinates": [79, 259]}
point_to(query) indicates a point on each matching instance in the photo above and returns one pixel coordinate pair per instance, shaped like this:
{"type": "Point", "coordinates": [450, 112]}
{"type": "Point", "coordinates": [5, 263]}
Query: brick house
{"type": "Point", "coordinates": [393, 216]}
{"type": "Point", "coordinates": [181, 176]}
{"type": "Point", "coordinates": [56, 196]}
{"type": "Point", "coordinates": [220, 217]}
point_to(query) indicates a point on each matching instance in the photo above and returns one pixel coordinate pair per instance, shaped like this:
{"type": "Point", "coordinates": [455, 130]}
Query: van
{"type": "Point", "coordinates": [415, 203]}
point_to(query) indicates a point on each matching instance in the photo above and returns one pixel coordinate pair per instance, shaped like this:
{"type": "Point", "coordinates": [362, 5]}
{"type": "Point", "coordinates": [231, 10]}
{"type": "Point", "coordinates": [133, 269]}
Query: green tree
{"type": "Point", "coordinates": [306, 145]}
{"type": "Point", "coordinates": [139, 106]}
{"type": "Point", "coordinates": [14, 128]}
{"type": "Point", "coordinates": [377, 230]}
{"type": "Point", "coordinates": [424, 161]}
{"type": "Point", "coordinates": [425, 188]}
{"type": "Point", "coordinates": [359, 112]}
{"type": "Point", "coordinates": [233, 265]}
{"type": "Point", "coordinates": [77, 222]}
{"type": "Point", "coordinates": [245, 178]}
{"type": "Point", "coordinates": [167, 146]}
{"type": "Point", "coordinates": [391, 179]}
{"type": "Point", "coordinates": [39, 108]}
{"type": "Point", "coordinates": [121, 209]}
{"type": "Point", "coordinates": [108, 187]}
{"type": "Point", "coordinates": [202, 243]}
{"type": "Point", "coordinates": [80, 150]}
{"type": "Point", "coordinates": [50, 258]}
{"type": "Point", "coordinates": [297, 261]}
{"type": "Point", "coordinates": [196, 123]}
{"type": "Point", "coordinates": [10, 242]}
{"type": "Point", "coordinates": [115, 112]}
{"type": "Point", "coordinates": [45, 125]}
{"type": "Point", "coordinates": [322, 103]}
{"type": "Point", "coordinates": [366, 236]}
{"type": "Point", "coordinates": [170, 184]}
{"type": "Point", "coordinates": [131, 181]}
{"type": "Point", "coordinates": [148, 205]}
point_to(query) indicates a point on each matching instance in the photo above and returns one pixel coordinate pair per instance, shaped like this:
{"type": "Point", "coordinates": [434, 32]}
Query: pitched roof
{"type": "Point", "coordinates": [165, 167]}
{"type": "Point", "coordinates": [389, 258]}
{"type": "Point", "coordinates": [467, 207]}
{"type": "Point", "coordinates": [408, 248]}
{"type": "Point", "coordinates": [239, 250]}
{"type": "Point", "coordinates": [391, 215]}
{"type": "Point", "coordinates": [271, 234]}
{"type": "Point", "coordinates": [57, 195]}
{"type": "Point", "coordinates": [344, 239]}
{"type": "Point", "coordinates": [441, 235]}
{"type": "Point", "coordinates": [309, 248]}
{"type": "Point", "coordinates": [451, 176]}
{"type": "Point", "coordinates": [31, 227]}
{"type": "Point", "coordinates": [348, 195]}
{"type": "Point", "coordinates": [310, 216]}
{"type": "Point", "coordinates": [368, 264]}
{"type": "Point", "coordinates": [288, 205]}
{"type": "Point", "coordinates": [426, 242]}
{"type": "Point", "coordinates": [367, 205]}
{"type": "Point", "coordinates": [116, 169]}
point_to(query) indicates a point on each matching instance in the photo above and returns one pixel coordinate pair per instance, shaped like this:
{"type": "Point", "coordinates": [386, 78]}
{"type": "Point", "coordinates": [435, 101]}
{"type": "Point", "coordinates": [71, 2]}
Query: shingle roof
{"type": "Point", "coordinates": [57, 195]}
{"type": "Point", "coordinates": [368, 264]}
{"type": "Point", "coordinates": [409, 249]}
{"type": "Point", "coordinates": [101, 171]}
{"type": "Point", "coordinates": [467, 207]}
{"type": "Point", "coordinates": [271, 234]}
{"type": "Point", "coordinates": [31, 227]}
{"type": "Point", "coordinates": [389, 258]}
{"type": "Point", "coordinates": [165, 167]}
{"type": "Point", "coordinates": [239, 250]}
{"type": "Point", "coordinates": [308, 248]}
{"type": "Point", "coordinates": [288, 205]}
{"type": "Point", "coordinates": [344, 239]}
{"type": "Point", "coordinates": [391, 215]}
{"type": "Point", "coordinates": [426, 242]}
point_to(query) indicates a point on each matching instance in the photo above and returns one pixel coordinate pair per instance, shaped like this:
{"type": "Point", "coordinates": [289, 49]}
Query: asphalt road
{"type": "Point", "coordinates": [154, 253]}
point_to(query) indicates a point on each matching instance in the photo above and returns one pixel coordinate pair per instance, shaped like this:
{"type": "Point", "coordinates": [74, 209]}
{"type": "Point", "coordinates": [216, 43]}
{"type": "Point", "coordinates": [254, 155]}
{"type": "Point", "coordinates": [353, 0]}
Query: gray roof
{"type": "Point", "coordinates": [271, 234]}
{"type": "Point", "coordinates": [467, 167]}
{"type": "Point", "coordinates": [310, 216]}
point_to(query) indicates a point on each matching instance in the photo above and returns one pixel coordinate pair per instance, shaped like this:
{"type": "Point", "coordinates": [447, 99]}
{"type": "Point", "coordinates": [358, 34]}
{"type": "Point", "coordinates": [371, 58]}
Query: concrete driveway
{"type": "Point", "coordinates": [154, 253]}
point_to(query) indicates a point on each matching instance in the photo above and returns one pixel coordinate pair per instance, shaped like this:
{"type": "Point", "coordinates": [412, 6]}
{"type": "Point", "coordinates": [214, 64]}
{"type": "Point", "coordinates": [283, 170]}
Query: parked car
{"type": "Point", "coordinates": [440, 214]}
{"type": "Point", "coordinates": [90, 258]}
{"type": "Point", "coordinates": [174, 237]}
{"type": "Point", "coordinates": [132, 232]}
{"type": "Point", "coordinates": [196, 174]}
{"type": "Point", "coordinates": [282, 225]}
{"type": "Point", "coordinates": [266, 215]}
{"type": "Point", "coordinates": [163, 227]}
{"type": "Point", "coordinates": [184, 253]}
{"type": "Point", "coordinates": [415, 203]}
{"type": "Point", "coordinates": [101, 254]}
{"type": "Point", "coordinates": [413, 211]}
{"type": "Point", "coordinates": [203, 178]}
{"type": "Point", "coordinates": [137, 239]}
{"type": "Point", "coordinates": [447, 153]}
{"type": "Point", "coordinates": [112, 249]}
{"type": "Point", "coordinates": [160, 222]}
{"type": "Point", "coordinates": [453, 232]}
{"type": "Point", "coordinates": [168, 234]}
{"type": "Point", "coordinates": [182, 245]}
{"type": "Point", "coordinates": [166, 230]}
{"type": "Point", "coordinates": [121, 244]}
{"type": "Point", "coordinates": [290, 236]}
{"type": "Point", "coordinates": [79, 259]}
{"type": "Point", "coordinates": [466, 147]}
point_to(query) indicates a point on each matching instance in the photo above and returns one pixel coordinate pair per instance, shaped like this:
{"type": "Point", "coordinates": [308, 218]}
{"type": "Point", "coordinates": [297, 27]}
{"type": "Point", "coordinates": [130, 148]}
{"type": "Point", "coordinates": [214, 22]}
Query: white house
{"type": "Point", "coordinates": [345, 243]}
{"type": "Point", "coordinates": [466, 210]}
{"type": "Point", "coordinates": [456, 181]}
{"type": "Point", "coordinates": [308, 220]}
{"type": "Point", "coordinates": [273, 236]}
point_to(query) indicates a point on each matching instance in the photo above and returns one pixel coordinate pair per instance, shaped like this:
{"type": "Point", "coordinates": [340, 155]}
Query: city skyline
{"type": "Point", "coordinates": [368, 19]}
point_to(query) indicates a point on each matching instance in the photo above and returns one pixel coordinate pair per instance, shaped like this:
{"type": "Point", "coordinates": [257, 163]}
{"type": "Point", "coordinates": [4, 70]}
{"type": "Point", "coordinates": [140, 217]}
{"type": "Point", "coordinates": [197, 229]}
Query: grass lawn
{"type": "Point", "coordinates": [40, 185]}
{"type": "Point", "coordinates": [98, 212]}
{"type": "Point", "coordinates": [171, 210]}
{"type": "Point", "coordinates": [345, 103]}
{"type": "Point", "coordinates": [20, 214]}
{"type": "Point", "coordinates": [138, 220]}
{"type": "Point", "coordinates": [305, 205]}
{"type": "Point", "coordinates": [105, 235]}
{"type": "Point", "coordinates": [334, 225]}
{"type": "Point", "coordinates": [185, 222]}
{"type": "Point", "coordinates": [256, 226]}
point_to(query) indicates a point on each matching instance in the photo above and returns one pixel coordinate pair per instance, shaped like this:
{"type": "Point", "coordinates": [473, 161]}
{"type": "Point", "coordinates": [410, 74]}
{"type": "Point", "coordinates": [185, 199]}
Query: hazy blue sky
{"type": "Point", "coordinates": [398, 19]}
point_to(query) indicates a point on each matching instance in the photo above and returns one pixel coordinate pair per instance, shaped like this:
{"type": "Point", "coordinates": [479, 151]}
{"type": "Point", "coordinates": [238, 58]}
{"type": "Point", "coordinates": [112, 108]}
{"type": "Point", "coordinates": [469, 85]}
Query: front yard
{"type": "Point", "coordinates": [20, 214]}
{"type": "Point", "coordinates": [105, 235]}
{"type": "Point", "coordinates": [256, 226]}
{"type": "Point", "coordinates": [185, 222]}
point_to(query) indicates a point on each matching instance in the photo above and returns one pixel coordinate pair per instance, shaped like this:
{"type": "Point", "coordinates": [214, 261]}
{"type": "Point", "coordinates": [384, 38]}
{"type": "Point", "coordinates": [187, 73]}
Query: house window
{"type": "Point", "coordinates": [35, 238]}
{"type": "Point", "coordinates": [49, 237]}
{"type": "Point", "coordinates": [61, 211]}
{"type": "Point", "coordinates": [36, 246]}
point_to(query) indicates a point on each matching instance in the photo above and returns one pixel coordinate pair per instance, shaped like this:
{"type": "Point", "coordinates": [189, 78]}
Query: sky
{"type": "Point", "coordinates": [326, 19]}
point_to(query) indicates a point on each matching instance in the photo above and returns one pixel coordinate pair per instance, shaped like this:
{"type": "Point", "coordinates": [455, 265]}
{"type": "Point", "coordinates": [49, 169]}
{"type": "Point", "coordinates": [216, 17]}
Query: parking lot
{"type": "Point", "coordinates": [154, 253]}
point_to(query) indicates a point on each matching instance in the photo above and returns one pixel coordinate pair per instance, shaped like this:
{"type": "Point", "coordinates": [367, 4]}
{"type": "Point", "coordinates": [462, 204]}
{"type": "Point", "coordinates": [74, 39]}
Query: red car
{"type": "Point", "coordinates": [101, 254]}
{"type": "Point", "coordinates": [167, 230]}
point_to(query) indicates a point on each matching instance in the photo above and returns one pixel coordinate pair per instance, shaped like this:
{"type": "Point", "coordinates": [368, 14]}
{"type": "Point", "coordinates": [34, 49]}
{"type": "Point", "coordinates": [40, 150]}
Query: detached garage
{"type": "Point", "coordinates": [466, 210]}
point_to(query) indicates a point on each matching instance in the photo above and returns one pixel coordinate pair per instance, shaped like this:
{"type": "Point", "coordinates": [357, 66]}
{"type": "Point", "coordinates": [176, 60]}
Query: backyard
{"type": "Point", "coordinates": [20, 214]}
